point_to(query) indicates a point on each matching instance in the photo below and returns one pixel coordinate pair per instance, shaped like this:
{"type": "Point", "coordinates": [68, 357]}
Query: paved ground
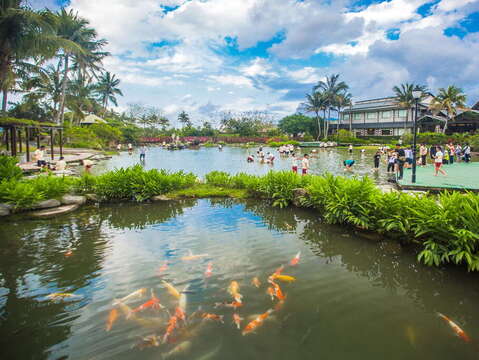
{"type": "Point", "coordinates": [459, 176]}
{"type": "Point", "coordinates": [70, 155]}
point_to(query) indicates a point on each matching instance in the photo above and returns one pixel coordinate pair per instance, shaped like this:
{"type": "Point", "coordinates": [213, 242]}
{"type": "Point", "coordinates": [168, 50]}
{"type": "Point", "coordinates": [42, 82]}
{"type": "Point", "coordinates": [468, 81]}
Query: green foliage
{"type": "Point", "coordinates": [106, 133]}
{"type": "Point", "coordinates": [6, 121]}
{"type": "Point", "coordinates": [218, 178]}
{"type": "Point", "coordinates": [9, 169]}
{"type": "Point", "coordinates": [296, 124]}
{"type": "Point", "coordinates": [281, 143]}
{"type": "Point", "coordinates": [136, 183]}
{"type": "Point", "coordinates": [82, 137]}
{"type": "Point", "coordinates": [208, 191]}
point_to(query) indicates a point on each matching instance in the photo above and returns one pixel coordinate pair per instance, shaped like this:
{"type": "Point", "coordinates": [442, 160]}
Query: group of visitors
{"type": "Point", "coordinates": [263, 158]}
{"type": "Point", "coordinates": [286, 149]}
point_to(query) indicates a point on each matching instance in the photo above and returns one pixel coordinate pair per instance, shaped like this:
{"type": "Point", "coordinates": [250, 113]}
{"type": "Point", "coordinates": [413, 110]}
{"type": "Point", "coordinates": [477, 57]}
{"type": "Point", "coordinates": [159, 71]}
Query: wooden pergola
{"type": "Point", "coordinates": [14, 131]}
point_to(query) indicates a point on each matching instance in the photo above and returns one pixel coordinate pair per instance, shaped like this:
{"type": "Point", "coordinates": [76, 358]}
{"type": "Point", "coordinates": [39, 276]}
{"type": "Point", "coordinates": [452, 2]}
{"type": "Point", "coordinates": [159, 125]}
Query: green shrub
{"type": "Point", "coordinates": [281, 143]}
{"type": "Point", "coordinates": [9, 168]}
{"type": "Point", "coordinates": [218, 178]}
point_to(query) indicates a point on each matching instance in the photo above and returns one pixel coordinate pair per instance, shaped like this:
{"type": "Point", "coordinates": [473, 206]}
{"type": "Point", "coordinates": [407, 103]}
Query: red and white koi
{"type": "Point", "coordinates": [209, 270]}
{"type": "Point", "coordinates": [294, 261]}
{"type": "Point", "coordinates": [253, 325]}
{"type": "Point", "coordinates": [233, 289]}
{"type": "Point", "coordinates": [163, 268]}
{"type": "Point", "coordinates": [459, 332]}
{"type": "Point", "coordinates": [172, 324]}
{"type": "Point", "coordinates": [213, 317]}
{"type": "Point", "coordinates": [234, 304]}
{"type": "Point", "coordinates": [153, 303]}
{"type": "Point", "coordinates": [237, 320]}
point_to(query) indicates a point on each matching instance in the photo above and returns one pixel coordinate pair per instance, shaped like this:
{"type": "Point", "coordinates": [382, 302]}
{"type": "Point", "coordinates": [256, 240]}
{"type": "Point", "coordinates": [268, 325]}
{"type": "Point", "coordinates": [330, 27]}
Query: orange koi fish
{"type": "Point", "coordinates": [277, 291]}
{"type": "Point", "coordinates": [207, 316]}
{"type": "Point", "coordinates": [233, 289]}
{"type": "Point", "coordinates": [279, 270]}
{"type": "Point", "coordinates": [163, 268]}
{"type": "Point", "coordinates": [459, 332]}
{"type": "Point", "coordinates": [270, 292]}
{"type": "Point", "coordinates": [153, 303]}
{"type": "Point", "coordinates": [172, 323]}
{"type": "Point", "coordinates": [180, 314]}
{"type": "Point", "coordinates": [284, 278]}
{"type": "Point", "coordinates": [253, 325]}
{"type": "Point", "coordinates": [68, 253]}
{"type": "Point", "coordinates": [112, 316]}
{"type": "Point", "coordinates": [294, 261]}
{"type": "Point", "coordinates": [256, 282]}
{"type": "Point", "coordinates": [193, 257]}
{"type": "Point", "coordinates": [234, 304]}
{"type": "Point", "coordinates": [209, 270]}
{"type": "Point", "coordinates": [237, 320]}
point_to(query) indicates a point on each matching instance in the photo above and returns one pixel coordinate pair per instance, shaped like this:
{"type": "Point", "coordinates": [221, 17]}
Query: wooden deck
{"type": "Point", "coordinates": [71, 156]}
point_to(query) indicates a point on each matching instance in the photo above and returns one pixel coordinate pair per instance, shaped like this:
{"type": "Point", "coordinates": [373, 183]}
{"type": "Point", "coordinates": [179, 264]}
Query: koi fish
{"type": "Point", "coordinates": [112, 316]}
{"type": "Point", "coordinates": [68, 253]}
{"type": "Point", "coordinates": [180, 314]}
{"type": "Point", "coordinates": [279, 305]}
{"type": "Point", "coordinates": [147, 323]}
{"type": "Point", "coordinates": [270, 292]}
{"type": "Point", "coordinates": [134, 295]}
{"type": "Point", "coordinates": [237, 320]}
{"type": "Point", "coordinates": [207, 316]}
{"type": "Point", "coordinates": [62, 296]}
{"type": "Point", "coordinates": [163, 268]}
{"type": "Point", "coordinates": [233, 289]}
{"type": "Point", "coordinates": [179, 349]}
{"type": "Point", "coordinates": [459, 332]}
{"type": "Point", "coordinates": [253, 325]}
{"type": "Point", "coordinates": [153, 303]}
{"type": "Point", "coordinates": [277, 291]}
{"type": "Point", "coordinates": [171, 289]}
{"type": "Point", "coordinates": [279, 270]}
{"type": "Point", "coordinates": [284, 278]}
{"type": "Point", "coordinates": [234, 304]}
{"type": "Point", "coordinates": [172, 323]}
{"type": "Point", "coordinates": [183, 298]}
{"type": "Point", "coordinates": [209, 270]}
{"type": "Point", "coordinates": [193, 257]}
{"type": "Point", "coordinates": [148, 341]}
{"type": "Point", "coordinates": [256, 282]}
{"type": "Point", "coordinates": [294, 261]}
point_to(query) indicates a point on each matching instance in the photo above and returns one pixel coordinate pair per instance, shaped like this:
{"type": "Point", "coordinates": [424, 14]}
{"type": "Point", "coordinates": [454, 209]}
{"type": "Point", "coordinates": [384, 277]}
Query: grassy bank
{"type": "Point", "coordinates": [444, 228]}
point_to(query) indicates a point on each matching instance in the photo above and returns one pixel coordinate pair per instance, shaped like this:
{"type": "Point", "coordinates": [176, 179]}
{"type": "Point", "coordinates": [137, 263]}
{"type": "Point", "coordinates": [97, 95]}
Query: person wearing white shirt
{"type": "Point", "coordinates": [61, 164]}
{"type": "Point", "coordinates": [438, 162]}
{"type": "Point", "coordinates": [38, 156]}
{"type": "Point", "coordinates": [294, 163]}
{"type": "Point", "coordinates": [305, 164]}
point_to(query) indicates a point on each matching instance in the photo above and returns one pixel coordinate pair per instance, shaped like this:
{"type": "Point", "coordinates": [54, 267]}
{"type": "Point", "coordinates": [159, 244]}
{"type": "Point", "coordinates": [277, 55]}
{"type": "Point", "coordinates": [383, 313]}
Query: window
{"type": "Point", "coordinates": [386, 114]}
{"type": "Point", "coordinates": [401, 113]}
{"type": "Point", "coordinates": [386, 132]}
{"type": "Point", "coordinates": [358, 116]}
{"type": "Point", "coordinates": [372, 115]}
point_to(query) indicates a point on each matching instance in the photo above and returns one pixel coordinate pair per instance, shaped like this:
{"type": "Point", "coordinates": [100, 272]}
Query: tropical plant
{"type": "Point", "coordinates": [448, 100]}
{"type": "Point", "coordinates": [107, 89]}
{"type": "Point", "coordinates": [404, 97]}
{"type": "Point", "coordinates": [342, 100]}
{"type": "Point", "coordinates": [316, 102]}
{"type": "Point", "coordinates": [9, 169]}
{"type": "Point", "coordinates": [184, 119]}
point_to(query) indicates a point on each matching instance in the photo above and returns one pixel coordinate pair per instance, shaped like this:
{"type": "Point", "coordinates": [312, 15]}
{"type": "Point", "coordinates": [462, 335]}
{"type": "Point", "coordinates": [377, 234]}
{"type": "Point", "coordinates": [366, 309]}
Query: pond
{"type": "Point", "coordinates": [353, 298]}
{"type": "Point", "coordinates": [232, 159]}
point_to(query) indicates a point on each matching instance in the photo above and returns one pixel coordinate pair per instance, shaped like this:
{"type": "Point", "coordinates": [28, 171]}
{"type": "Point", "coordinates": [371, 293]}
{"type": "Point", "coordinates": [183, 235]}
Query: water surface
{"type": "Point", "coordinates": [354, 298]}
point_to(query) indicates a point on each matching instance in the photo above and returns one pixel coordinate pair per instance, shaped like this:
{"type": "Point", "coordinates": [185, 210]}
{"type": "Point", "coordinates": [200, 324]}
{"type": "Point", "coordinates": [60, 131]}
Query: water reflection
{"type": "Point", "coordinates": [355, 296]}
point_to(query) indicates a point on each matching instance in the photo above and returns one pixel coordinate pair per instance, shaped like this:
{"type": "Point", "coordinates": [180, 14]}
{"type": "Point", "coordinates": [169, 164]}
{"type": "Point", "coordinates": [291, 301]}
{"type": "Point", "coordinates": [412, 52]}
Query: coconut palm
{"type": "Point", "coordinates": [80, 98]}
{"type": "Point", "coordinates": [448, 100]}
{"type": "Point", "coordinates": [405, 98]}
{"type": "Point", "coordinates": [184, 118]}
{"type": "Point", "coordinates": [315, 103]}
{"type": "Point", "coordinates": [342, 100]}
{"type": "Point", "coordinates": [107, 89]}
{"type": "Point", "coordinates": [332, 87]}
{"type": "Point", "coordinates": [75, 29]}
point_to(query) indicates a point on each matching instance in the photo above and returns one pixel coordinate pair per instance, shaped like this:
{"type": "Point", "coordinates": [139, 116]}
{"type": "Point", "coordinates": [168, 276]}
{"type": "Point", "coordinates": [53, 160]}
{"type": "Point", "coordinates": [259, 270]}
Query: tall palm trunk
{"type": "Point", "coordinates": [4, 102]}
{"type": "Point", "coordinates": [61, 113]}
{"type": "Point", "coordinates": [327, 124]}
{"type": "Point", "coordinates": [339, 119]}
{"type": "Point", "coordinates": [319, 126]}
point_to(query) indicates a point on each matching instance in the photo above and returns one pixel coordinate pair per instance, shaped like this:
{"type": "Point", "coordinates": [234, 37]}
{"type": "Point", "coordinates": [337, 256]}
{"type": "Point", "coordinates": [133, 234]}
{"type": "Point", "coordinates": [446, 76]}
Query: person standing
{"type": "Point", "coordinates": [401, 159]}
{"type": "Point", "coordinates": [467, 153]}
{"type": "Point", "coordinates": [377, 159]}
{"type": "Point", "coordinates": [458, 152]}
{"type": "Point", "coordinates": [409, 159]}
{"type": "Point", "coordinates": [423, 154]}
{"type": "Point", "coordinates": [438, 157]}
{"type": "Point", "coordinates": [118, 147]}
{"type": "Point", "coordinates": [142, 153]}
{"type": "Point", "coordinates": [432, 152]}
{"type": "Point", "coordinates": [452, 153]}
{"type": "Point", "coordinates": [130, 147]}
{"type": "Point", "coordinates": [305, 164]}
{"type": "Point", "coordinates": [350, 148]}
{"type": "Point", "coordinates": [294, 163]}
{"type": "Point", "coordinates": [391, 161]}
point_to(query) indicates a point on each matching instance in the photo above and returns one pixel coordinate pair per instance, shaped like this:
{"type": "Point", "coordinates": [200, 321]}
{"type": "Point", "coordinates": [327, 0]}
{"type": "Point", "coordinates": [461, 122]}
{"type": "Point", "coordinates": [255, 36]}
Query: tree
{"type": "Point", "coordinates": [405, 98]}
{"type": "Point", "coordinates": [184, 119]}
{"type": "Point", "coordinates": [342, 100]}
{"type": "Point", "coordinates": [331, 88]}
{"type": "Point", "coordinates": [107, 89]}
{"type": "Point", "coordinates": [296, 124]}
{"type": "Point", "coordinates": [315, 102]}
{"type": "Point", "coordinates": [448, 100]}
{"type": "Point", "coordinates": [247, 123]}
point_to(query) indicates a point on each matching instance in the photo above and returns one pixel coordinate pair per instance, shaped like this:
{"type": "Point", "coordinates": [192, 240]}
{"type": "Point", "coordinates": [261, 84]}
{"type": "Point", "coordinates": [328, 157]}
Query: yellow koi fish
{"type": "Point", "coordinates": [138, 294]}
{"type": "Point", "coordinates": [256, 282]}
{"type": "Point", "coordinates": [62, 296]}
{"type": "Point", "coordinates": [284, 278]}
{"type": "Point", "coordinates": [171, 289]}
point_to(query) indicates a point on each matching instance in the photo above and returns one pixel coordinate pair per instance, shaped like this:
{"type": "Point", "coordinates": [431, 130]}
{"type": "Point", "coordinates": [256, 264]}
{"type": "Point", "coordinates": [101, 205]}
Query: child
{"type": "Point", "coordinates": [348, 164]}
{"type": "Point", "coordinates": [294, 163]}
{"type": "Point", "coordinates": [305, 164]}
{"type": "Point", "coordinates": [391, 161]}
{"type": "Point", "coordinates": [377, 158]}
{"type": "Point", "coordinates": [438, 162]}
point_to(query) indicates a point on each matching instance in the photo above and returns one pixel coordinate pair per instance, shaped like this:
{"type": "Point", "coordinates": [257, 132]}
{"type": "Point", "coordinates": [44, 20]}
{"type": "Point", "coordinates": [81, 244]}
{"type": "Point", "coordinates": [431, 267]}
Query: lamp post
{"type": "Point", "coordinates": [416, 94]}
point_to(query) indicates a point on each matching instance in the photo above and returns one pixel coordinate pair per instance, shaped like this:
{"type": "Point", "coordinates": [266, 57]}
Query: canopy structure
{"type": "Point", "coordinates": [15, 130]}
{"type": "Point", "coordinates": [92, 119]}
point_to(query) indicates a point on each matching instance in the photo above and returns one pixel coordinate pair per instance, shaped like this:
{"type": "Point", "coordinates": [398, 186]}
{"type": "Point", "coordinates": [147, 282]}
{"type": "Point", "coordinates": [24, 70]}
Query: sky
{"type": "Point", "coordinates": [207, 56]}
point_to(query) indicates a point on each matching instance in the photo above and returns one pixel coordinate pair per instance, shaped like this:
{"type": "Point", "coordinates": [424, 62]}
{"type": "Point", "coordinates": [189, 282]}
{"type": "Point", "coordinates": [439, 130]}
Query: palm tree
{"type": "Point", "coordinates": [184, 118]}
{"type": "Point", "coordinates": [316, 102]}
{"type": "Point", "coordinates": [80, 97]}
{"type": "Point", "coordinates": [332, 87]}
{"type": "Point", "coordinates": [448, 100]}
{"type": "Point", "coordinates": [342, 100]}
{"type": "Point", "coordinates": [405, 98]}
{"type": "Point", "coordinates": [24, 33]}
{"type": "Point", "coordinates": [75, 29]}
{"type": "Point", "coordinates": [107, 89]}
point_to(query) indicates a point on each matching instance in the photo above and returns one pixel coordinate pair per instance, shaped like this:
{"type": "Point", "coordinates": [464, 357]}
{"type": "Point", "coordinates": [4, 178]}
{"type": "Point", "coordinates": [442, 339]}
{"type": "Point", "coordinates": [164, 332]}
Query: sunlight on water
{"type": "Point", "coordinates": [353, 298]}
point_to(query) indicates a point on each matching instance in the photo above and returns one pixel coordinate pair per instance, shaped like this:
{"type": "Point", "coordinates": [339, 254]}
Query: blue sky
{"type": "Point", "coordinates": [207, 56]}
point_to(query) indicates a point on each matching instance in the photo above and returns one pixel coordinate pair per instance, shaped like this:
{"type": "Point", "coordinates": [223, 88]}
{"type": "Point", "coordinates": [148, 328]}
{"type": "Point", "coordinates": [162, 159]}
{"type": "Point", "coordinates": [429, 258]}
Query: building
{"type": "Point", "coordinates": [385, 117]}
{"type": "Point", "coordinates": [92, 119]}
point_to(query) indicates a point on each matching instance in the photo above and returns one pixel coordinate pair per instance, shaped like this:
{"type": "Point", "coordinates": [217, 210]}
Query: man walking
{"type": "Point", "coordinates": [401, 159]}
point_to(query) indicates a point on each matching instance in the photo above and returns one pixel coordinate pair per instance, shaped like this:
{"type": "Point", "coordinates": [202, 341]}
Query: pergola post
{"type": "Point", "coordinates": [7, 140]}
{"type": "Point", "coordinates": [27, 142]}
{"type": "Point", "coordinates": [38, 138]}
{"type": "Point", "coordinates": [60, 132]}
{"type": "Point", "coordinates": [51, 143]}
{"type": "Point", "coordinates": [14, 141]}
{"type": "Point", "coordinates": [19, 133]}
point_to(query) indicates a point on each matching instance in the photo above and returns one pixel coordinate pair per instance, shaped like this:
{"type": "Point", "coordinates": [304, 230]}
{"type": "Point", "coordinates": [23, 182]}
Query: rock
{"type": "Point", "coordinates": [46, 204]}
{"type": "Point", "coordinates": [5, 209]}
{"type": "Point", "coordinates": [48, 213]}
{"type": "Point", "coordinates": [160, 198]}
{"type": "Point", "coordinates": [92, 198]}
{"type": "Point", "coordinates": [298, 195]}
{"type": "Point", "coordinates": [73, 199]}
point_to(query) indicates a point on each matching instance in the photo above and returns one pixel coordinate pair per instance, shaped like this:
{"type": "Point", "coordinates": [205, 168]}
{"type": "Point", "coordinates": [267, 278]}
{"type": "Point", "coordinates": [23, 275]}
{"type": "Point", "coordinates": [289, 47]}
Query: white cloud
{"type": "Point", "coordinates": [236, 80]}
{"type": "Point", "coordinates": [306, 75]}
